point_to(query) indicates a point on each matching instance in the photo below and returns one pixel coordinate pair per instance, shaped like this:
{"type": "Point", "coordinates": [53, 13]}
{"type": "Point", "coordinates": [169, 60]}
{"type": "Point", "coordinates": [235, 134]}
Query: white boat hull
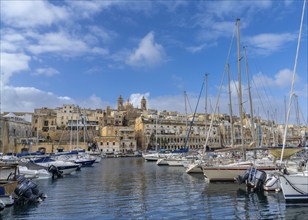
{"type": "Point", "coordinates": [7, 200]}
{"type": "Point", "coordinates": [229, 173]}
{"type": "Point", "coordinates": [151, 157]}
{"type": "Point", "coordinates": [175, 162]}
{"type": "Point", "coordinates": [64, 167]}
{"type": "Point", "coordinates": [194, 168]}
{"type": "Point", "coordinates": [98, 159]}
{"type": "Point", "coordinates": [294, 187]}
{"type": "Point", "coordinates": [162, 162]}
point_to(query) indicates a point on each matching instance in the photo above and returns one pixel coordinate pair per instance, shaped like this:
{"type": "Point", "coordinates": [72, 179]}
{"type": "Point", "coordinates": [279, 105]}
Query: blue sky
{"type": "Point", "coordinates": [91, 52]}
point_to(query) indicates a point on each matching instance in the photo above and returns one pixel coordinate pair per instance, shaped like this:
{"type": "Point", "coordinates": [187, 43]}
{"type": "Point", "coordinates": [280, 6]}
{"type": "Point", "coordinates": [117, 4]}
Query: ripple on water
{"type": "Point", "coordinates": [130, 188]}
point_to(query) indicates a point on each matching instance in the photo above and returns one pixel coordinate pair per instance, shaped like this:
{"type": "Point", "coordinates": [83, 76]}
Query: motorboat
{"type": "Point", "coordinates": [82, 160]}
{"type": "Point", "coordinates": [295, 186]}
{"type": "Point", "coordinates": [34, 173]}
{"type": "Point", "coordinates": [8, 183]}
{"type": "Point", "coordinates": [65, 167]}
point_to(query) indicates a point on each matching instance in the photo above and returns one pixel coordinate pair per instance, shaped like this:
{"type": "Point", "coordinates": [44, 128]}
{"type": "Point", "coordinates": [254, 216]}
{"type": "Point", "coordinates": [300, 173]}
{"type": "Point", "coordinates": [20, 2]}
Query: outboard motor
{"type": "Point", "coordinates": [55, 171]}
{"type": "Point", "coordinates": [27, 191]}
{"type": "Point", "coordinates": [242, 178]}
{"type": "Point", "coordinates": [24, 193]}
{"type": "Point", "coordinates": [254, 178]}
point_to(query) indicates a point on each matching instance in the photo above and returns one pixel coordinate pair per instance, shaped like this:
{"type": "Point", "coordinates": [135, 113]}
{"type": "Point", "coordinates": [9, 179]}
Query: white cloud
{"type": "Point", "coordinates": [135, 99]}
{"type": "Point", "coordinates": [62, 44]}
{"type": "Point", "coordinates": [11, 40]}
{"type": "Point", "coordinates": [58, 43]}
{"type": "Point", "coordinates": [86, 9]}
{"type": "Point", "coordinates": [31, 13]}
{"type": "Point", "coordinates": [265, 44]}
{"type": "Point", "coordinates": [46, 72]}
{"type": "Point", "coordinates": [282, 79]}
{"type": "Point", "coordinates": [303, 92]}
{"type": "Point", "coordinates": [93, 102]}
{"type": "Point", "coordinates": [217, 18]}
{"type": "Point", "coordinates": [196, 49]}
{"type": "Point", "coordinates": [13, 63]}
{"type": "Point", "coordinates": [28, 98]}
{"type": "Point", "coordinates": [102, 33]}
{"type": "Point", "coordinates": [225, 8]}
{"type": "Point", "coordinates": [148, 53]}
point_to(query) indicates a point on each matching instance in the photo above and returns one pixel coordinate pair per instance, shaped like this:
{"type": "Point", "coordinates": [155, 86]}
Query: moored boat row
{"type": "Point", "coordinates": [19, 172]}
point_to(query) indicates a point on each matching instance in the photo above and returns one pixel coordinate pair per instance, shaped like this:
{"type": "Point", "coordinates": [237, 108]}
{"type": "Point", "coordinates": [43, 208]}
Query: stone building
{"type": "Point", "coordinates": [72, 116]}
{"type": "Point", "coordinates": [56, 125]}
{"type": "Point", "coordinates": [14, 131]}
{"type": "Point", "coordinates": [115, 139]}
{"type": "Point", "coordinates": [170, 131]}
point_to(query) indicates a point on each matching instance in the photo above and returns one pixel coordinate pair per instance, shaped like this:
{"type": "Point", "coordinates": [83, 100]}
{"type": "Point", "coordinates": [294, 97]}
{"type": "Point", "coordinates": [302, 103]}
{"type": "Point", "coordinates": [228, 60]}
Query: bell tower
{"type": "Point", "coordinates": [143, 104]}
{"type": "Point", "coordinates": [120, 103]}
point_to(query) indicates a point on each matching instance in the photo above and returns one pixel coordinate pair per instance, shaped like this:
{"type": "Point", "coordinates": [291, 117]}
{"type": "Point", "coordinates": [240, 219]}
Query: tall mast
{"type": "Point", "coordinates": [285, 109]}
{"type": "Point", "coordinates": [250, 101]}
{"type": "Point", "coordinates": [77, 141]}
{"type": "Point", "coordinates": [292, 85]}
{"type": "Point", "coordinates": [156, 147]}
{"type": "Point", "coordinates": [240, 86]}
{"type": "Point", "coordinates": [84, 127]}
{"type": "Point", "coordinates": [296, 109]}
{"type": "Point", "coordinates": [230, 108]}
{"type": "Point", "coordinates": [71, 132]}
{"type": "Point", "coordinates": [205, 108]}
{"type": "Point", "coordinates": [186, 125]}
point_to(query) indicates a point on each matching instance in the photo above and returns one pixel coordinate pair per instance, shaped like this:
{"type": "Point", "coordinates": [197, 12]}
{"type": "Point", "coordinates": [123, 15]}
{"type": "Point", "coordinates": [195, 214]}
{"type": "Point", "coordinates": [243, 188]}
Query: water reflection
{"type": "Point", "coordinates": [130, 188]}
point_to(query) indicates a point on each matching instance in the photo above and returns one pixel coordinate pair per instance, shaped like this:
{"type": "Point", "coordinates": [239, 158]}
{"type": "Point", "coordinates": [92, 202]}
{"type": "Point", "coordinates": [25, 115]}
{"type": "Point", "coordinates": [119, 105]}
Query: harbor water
{"type": "Point", "coordinates": [131, 188]}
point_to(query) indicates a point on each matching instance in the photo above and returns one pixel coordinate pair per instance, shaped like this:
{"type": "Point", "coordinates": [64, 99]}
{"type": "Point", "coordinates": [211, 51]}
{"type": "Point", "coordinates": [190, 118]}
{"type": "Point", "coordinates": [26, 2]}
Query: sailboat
{"type": "Point", "coordinates": [196, 165]}
{"type": "Point", "coordinates": [294, 186]}
{"type": "Point", "coordinates": [229, 172]}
